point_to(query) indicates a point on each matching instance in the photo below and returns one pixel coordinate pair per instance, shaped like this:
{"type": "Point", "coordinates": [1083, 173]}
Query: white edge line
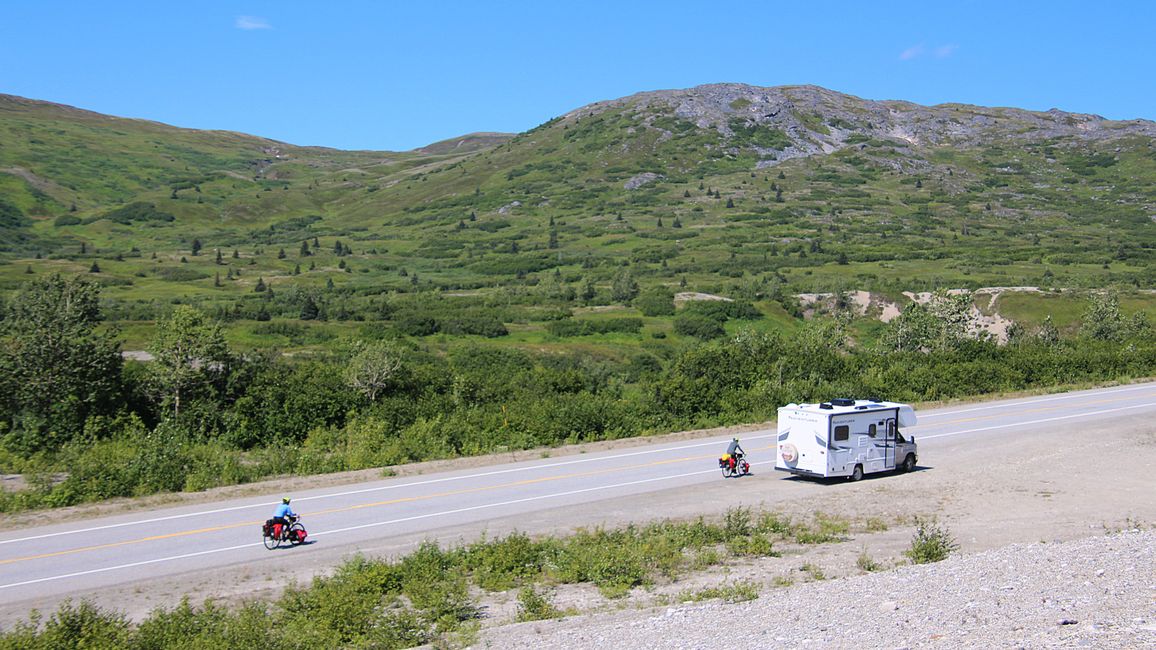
{"type": "Point", "coordinates": [351, 528]}
{"type": "Point", "coordinates": [381, 488]}
{"type": "Point", "coordinates": [1053, 398]}
{"type": "Point", "coordinates": [395, 486]}
{"type": "Point", "coordinates": [1020, 424]}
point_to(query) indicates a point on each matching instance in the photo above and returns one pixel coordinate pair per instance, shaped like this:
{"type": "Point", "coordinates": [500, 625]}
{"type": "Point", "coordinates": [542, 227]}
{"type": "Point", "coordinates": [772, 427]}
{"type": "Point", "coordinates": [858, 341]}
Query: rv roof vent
{"type": "Point", "coordinates": [861, 408]}
{"type": "Point", "coordinates": [843, 401]}
{"type": "Point", "coordinates": [826, 405]}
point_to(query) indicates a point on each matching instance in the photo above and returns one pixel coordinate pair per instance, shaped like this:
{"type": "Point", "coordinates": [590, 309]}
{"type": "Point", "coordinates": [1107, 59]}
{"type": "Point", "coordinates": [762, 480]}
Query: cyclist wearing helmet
{"type": "Point", "coordinates": [284, 515]}
{"type": "Point", "coordinates": [735, 452]}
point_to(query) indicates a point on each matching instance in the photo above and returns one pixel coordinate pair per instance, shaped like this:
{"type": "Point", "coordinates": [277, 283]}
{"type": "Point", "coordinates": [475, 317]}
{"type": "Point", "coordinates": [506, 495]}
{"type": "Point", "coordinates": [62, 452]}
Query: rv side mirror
{"type": "Point", "coordinates": [913, 440]}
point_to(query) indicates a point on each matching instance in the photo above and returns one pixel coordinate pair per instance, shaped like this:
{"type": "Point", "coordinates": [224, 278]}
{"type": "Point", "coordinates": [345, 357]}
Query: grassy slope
{"type": "Point", "coordinates": [1053, 212]}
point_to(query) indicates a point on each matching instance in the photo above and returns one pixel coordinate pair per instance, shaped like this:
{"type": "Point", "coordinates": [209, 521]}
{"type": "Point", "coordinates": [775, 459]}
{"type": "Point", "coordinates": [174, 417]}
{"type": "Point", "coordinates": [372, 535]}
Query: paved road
{"type": "Point", "coordinates": [41, 565]}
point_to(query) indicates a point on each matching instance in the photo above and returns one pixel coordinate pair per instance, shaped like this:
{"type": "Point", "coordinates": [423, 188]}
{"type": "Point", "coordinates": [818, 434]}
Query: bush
{"type": "Point", "coordinates": [138, 211]}
{"type": "Point", "coordinates": [569, 327]}
{"type": "Point", "coordinates": [533, 606]}
{"type": "Point", "coordinates": [930, 543]}
{"type": "Point", "coordinates": [656, 301]}
{"type": "Point", "coordinates": [698, 326]}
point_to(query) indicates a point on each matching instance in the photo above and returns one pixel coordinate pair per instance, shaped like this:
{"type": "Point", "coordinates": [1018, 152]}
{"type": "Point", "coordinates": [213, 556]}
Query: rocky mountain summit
{"type": "Point", "coordinates": [813, 120]}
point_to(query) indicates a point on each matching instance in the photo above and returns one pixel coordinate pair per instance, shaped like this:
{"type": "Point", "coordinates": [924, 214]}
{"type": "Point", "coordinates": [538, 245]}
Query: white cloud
{"type": "Point", "coordinates": [944, 51]}
{"type": "Point", "coordinates": [913, 52]}
{"type": "Point", "coordinates": [920, 51]}
{"type": "Point", "coordinates": [252, 22]}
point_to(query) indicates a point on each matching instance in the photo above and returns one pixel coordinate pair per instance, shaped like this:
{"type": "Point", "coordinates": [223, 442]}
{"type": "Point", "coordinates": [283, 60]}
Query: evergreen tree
{"type": "Point", "coordinates": [624, 288]}
{"type": "Point", "coordinates": [588, 291]}
{"type": "Point", "coordinates": [95, 268]}
{"type": "Point", "coordinates": [196, 247]}
{"type": "Point", "coordinates": [260, 286]}
{"type": "Point", "coordinates": [309, 309]}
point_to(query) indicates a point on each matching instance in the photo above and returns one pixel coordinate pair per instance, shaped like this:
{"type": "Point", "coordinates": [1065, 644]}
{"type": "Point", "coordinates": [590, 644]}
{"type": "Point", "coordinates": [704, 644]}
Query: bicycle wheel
{"type": "Point", "coordinates": [294, 538]}
{"type": "Point", "coordinates": [270, 542]}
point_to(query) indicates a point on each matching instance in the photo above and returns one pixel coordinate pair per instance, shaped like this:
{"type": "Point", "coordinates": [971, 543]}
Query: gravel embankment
{"type": "Point", "coordinates": [1097, 592]}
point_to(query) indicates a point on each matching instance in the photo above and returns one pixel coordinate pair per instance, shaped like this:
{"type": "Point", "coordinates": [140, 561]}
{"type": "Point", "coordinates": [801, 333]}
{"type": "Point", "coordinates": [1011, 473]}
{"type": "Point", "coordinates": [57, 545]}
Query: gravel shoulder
{"type": "Point", "coordinates": [1093, 592]}
{"type": "Point", "coordinates": [1057, 535]}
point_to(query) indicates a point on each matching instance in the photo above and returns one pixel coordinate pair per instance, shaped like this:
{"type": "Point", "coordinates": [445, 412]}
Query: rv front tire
{"type": "Point", "coordinates": [857, 473]}
{"type": "Point", "coordinates": [908, 463]}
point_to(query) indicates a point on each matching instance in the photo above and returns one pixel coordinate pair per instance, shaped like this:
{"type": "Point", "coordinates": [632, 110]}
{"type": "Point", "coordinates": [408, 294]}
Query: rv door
{"type": "Point", "coordinates": [889, 440]}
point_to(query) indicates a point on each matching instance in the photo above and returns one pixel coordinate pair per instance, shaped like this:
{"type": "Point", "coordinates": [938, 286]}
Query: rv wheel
{"type": "Point", "coordinates": [857, 473]}
{"type": "Point", "coordinates": [908, 463]}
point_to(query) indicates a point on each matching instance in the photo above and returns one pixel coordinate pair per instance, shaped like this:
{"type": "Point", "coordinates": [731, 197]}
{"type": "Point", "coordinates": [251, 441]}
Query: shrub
{"type": "Point", "coordinates": [930, 543]}
{"type": "Point", "coordinates": [571, 327]}
{"type": "Point", "coordinates": [865, 562]}
{"type": "Point", "coordinates": [138, 211]}
{"type": "Point", "coordinates": [656, 301]}
{"type": "Point", "coordinates": [698, 326]}
{"type": "Point", "coordinates": [533, 606]}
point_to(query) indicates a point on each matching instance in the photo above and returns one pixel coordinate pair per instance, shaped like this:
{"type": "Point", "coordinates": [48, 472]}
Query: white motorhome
{"type": "Point", "coordinates": [845, 437]}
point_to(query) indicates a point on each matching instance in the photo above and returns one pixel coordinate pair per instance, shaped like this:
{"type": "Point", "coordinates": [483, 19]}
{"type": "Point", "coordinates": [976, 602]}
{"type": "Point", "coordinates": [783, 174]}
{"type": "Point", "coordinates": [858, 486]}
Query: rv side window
{"type": "Point", "coordinates": [871, 430]}
{"type": "Point", "coordinates": [841, 432]}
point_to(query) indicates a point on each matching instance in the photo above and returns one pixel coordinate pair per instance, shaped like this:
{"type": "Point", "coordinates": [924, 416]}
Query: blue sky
{"type": "Point", "coordinates": [392, 75]}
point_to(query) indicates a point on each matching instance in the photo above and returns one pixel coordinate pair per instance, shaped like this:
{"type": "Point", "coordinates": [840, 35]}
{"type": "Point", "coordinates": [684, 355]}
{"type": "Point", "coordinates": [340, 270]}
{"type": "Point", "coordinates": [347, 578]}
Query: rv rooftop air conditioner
{"type": "Point", "coordinates": [826, 405]}
{"type": "Point", "coordinates": [843, 401]}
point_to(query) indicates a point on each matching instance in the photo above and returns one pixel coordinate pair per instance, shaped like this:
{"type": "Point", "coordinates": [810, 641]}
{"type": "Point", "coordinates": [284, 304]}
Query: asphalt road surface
{"type": "Point", "coordinates": [181, 546]}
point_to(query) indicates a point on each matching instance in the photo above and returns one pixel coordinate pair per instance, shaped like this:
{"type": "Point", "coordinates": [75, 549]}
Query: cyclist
{"type": "Point", "coordinates": [284, 515]}
{"type": "Point", "coordinates": [735, 452]}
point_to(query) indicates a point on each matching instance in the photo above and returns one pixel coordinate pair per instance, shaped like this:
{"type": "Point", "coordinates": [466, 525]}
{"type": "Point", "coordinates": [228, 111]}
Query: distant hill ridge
{"type": "Point", "coordinates": [818, 120]}
{"type": "Point", "coordinates": [712, 182]}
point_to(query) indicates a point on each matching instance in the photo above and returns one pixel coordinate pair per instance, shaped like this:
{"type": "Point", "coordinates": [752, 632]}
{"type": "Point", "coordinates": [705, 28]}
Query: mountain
{"type": "Point", "coordinates": [707, 187]}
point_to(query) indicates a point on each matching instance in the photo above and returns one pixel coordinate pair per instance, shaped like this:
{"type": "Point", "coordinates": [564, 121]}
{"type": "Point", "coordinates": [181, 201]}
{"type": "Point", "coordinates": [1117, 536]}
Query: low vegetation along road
{"type": "Point", "coordinates": [1047, 467]}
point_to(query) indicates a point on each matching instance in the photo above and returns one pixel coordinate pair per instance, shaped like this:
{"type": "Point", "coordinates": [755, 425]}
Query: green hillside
{"type": "Point", "coordinates": [633, 266]}
{"type": "Point", "coordinates": [842, 194]}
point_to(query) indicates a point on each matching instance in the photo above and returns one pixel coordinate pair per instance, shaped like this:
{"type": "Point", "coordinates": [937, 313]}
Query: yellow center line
{"type": "Point", "coordinates": [450, 493]}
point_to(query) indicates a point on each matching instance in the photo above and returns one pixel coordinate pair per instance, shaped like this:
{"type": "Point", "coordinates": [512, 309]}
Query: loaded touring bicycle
{"type": "Point", "coordinates": [845, 437]}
